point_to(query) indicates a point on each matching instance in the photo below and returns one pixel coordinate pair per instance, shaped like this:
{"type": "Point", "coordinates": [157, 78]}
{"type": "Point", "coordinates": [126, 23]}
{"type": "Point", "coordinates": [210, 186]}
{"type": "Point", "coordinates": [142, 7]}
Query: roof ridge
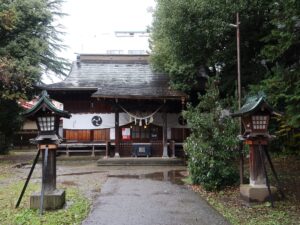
{"type": "Point", "coordinates": [101, 58]}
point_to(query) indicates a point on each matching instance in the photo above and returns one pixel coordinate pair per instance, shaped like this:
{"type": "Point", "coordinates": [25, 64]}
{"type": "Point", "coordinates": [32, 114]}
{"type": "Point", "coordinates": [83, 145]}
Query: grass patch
{"type": "Point", "coordinates": [229, 204]}
{"type": "Point", "coordinates": [187, 180]}
{"type": "Point", "coordinates": [77, 210]}
{"type": "Point", "coordinates": [286, 212]}
{"type": "Point", "coordinates": [3, 176]}
{"type": "Point", "coordinates": [5, 169]}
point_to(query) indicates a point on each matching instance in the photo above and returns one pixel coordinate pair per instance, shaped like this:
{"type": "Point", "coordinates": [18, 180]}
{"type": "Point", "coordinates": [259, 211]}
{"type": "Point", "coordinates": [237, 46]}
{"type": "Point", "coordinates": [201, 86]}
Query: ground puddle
{"type": "Point", "coordinates": [173, 176]}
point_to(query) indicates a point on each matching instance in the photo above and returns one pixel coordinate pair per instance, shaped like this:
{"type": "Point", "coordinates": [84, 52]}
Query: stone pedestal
{"type": "Point", "coordinates": [256, 193]}
{"type": "Point", "coordinates": [49, 170]}
{"type": "Point", "coordinates": [257, 190]}
{"type": "Point", "coordinates": [52, 200]}
{"type": "Point", "coordinates": [256, 164]}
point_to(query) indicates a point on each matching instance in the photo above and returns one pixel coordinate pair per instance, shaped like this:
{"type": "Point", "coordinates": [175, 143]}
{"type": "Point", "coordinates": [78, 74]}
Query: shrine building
{"type": "Point", "coordinates": [121, 100]}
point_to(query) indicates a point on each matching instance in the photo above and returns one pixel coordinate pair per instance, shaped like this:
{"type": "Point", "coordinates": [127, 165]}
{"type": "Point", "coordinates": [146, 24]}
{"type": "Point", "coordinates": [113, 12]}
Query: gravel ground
{"type": "Point", "coordinates": [80, 172]}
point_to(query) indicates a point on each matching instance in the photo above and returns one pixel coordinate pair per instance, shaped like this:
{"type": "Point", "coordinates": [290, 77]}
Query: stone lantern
{"type": "Point", "coordinates": [47, 117]}
{"type": "Point", "coordinates": [255, 116]}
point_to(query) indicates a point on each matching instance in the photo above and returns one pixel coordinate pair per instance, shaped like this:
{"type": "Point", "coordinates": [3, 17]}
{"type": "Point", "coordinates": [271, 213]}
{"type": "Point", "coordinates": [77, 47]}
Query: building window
{"type": "Point", "coordinates": [137, 52]}
{"type": "Point", "coordinates": [140, 132]}
{"type": "Point", "coordinates": [154, 133]}
{"type": "Point", "coordinates": [114, 52]}
{"type": "Point", "coordinates": [135, 132]}
{"type": "Point", "coordinates": [145, 132]}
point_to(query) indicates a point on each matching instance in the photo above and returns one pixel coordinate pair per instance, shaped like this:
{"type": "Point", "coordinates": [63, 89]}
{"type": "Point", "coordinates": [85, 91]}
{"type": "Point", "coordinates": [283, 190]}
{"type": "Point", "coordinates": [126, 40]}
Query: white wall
{"type": "Point", "coordinates": [84, 121]}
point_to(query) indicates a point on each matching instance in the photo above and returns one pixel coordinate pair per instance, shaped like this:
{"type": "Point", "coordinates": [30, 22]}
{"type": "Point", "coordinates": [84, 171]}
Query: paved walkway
{"type": "Point", "coordinates": [141, 201]}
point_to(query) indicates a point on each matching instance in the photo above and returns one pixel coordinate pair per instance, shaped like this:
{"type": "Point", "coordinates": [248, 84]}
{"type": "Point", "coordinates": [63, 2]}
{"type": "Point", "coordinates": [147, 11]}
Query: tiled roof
{"type": "Point", "coordinates": [43, 103]}
{"type": "Point", "coordinates": [253, 104]}
{"type": "Point", "coordinates": [117, 78]}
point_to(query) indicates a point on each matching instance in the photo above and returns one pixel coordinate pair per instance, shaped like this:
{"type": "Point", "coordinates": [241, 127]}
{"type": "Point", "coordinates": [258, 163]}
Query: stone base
{"type": "Point", "coordinates": [165, 153]}
{"type": "Point", "coordinates": [256, 193]}
{"type": "Point", "coordinates": [52, 200]}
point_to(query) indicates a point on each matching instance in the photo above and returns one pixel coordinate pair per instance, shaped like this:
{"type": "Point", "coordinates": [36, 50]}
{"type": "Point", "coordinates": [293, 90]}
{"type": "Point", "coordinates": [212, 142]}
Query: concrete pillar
{"type": "Point", "coordinates": [107, 147]}
{"type": "Point", "coordinates": [93, 151]}
{"type": "Point", "coordinates": [172, 147]}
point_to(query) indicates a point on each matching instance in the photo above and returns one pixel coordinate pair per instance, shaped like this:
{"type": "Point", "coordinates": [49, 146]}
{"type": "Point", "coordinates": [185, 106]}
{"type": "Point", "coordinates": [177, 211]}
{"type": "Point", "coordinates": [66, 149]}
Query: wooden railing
{"type": "Point", "coordinates": [85, 147]}
{"type": "Point", "coordinates": [125, 148]}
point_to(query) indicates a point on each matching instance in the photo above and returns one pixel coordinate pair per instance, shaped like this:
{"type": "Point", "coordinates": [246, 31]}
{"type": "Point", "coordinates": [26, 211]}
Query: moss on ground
{"type": "Point", "coordinates": [285, 212]}
{"type": "Point", "coordinates": [77, 207]}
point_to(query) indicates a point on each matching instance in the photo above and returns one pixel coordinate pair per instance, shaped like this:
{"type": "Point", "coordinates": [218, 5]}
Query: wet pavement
{"type": "Point", "coordinates": [157, 198]}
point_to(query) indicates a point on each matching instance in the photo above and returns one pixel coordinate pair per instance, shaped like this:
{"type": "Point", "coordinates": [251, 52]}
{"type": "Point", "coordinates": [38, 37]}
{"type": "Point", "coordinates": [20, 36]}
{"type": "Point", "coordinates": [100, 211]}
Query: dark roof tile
{"type": "Point", "coordinates": [117, 80]}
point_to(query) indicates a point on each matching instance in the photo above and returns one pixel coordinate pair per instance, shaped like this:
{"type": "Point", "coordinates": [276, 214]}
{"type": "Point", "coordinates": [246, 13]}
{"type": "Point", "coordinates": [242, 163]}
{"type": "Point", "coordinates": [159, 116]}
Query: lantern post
{"type": "Point", "coordinates": [47, 117]}
{"type": "Point", "coordinates": [255, 116]}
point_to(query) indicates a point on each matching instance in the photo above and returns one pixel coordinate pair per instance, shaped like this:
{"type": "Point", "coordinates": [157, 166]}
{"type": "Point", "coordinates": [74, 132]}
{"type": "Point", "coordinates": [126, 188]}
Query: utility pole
{"type": "Point", "coordinates": [237, 26]}
{"type": "Point", "coordinates": [238, 60]}
{"type": "Point", "coordinates": [239, 93]}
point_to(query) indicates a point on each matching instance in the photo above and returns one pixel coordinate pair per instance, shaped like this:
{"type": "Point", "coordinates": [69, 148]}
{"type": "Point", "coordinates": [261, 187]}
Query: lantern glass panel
{"type": "Point", "coordinates": [46, 123]}
{"type": "Point", "coordinates": [260, 122]}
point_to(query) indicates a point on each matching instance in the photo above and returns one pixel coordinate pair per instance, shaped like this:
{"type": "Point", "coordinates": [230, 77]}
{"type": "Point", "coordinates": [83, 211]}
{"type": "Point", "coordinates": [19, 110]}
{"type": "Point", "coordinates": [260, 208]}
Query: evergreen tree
{"type": "Point", "coordinates": [191, 38]}
{"type": "Point", "coordinates": [28, 45]}
{"type": "Point", "coordinates": [212, 146]}
{"type": "Point", "coordinates": [29, 42]}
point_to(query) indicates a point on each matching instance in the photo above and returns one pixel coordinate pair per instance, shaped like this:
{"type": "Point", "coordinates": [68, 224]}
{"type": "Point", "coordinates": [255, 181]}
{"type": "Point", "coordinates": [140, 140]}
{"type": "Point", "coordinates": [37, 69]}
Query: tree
{"type": "Point", "coordinates": [10, 122]}
{"type": "Point", "coordinates": [282, 81]}
{"type": "Point", "coordinates": [212, 145]}
{"type": "Point", "coordinates": [28, 45]}
{"type": "Point", "coordinates": [29, 42]}
{"type": "Point", "coordinates": [192, 36]}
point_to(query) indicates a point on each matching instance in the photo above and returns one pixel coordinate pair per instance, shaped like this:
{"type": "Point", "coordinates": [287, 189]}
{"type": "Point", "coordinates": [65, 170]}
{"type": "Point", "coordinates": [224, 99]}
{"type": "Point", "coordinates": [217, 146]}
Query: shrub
{"type": "Point", "coordinates": [212, 144]}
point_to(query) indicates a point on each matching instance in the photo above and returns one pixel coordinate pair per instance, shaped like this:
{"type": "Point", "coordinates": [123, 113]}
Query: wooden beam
{"type": "Point", "coordinates": [165, 133]}
{"type": "Point", "coordinates": [117, 133]}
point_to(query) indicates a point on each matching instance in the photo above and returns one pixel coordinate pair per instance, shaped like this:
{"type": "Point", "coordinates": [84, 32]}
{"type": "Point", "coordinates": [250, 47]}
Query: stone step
{"type": "Point", "coordinates": [141, 162]}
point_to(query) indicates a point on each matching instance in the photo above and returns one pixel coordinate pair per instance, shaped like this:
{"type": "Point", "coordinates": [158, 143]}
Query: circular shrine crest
{"type": "Point", "coordinates": [96, 121]}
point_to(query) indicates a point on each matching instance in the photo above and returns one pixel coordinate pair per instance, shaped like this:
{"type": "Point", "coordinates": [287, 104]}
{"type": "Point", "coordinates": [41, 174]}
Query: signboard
{"type": "Point", "coordinates": [126, 133]}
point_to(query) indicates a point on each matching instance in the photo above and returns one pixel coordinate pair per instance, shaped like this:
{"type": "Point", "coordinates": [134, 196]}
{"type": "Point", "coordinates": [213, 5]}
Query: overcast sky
{"type": "Point", "coordinates": [90, 24]}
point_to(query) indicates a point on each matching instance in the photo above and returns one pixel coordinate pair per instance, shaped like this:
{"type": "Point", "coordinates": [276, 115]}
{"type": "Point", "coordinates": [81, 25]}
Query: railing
{"type": "Point", "coordinates": [125, 148]}
{"type": "Point", "coordinates": [82, 147]}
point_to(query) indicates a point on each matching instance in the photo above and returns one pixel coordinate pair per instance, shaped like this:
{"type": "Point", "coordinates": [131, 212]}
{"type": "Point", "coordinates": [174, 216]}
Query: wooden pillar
{"type": "Point", "coordinates": [117, 133]}
{"type": "Point", "coordinates": [49, 197]}
{"type": "Point", "coordinates": [182, 108]}
{"type": "Point", "coordinates": [259, 189]}
{"type": "Point", "coordinates": [49, 173]}
{"type": "Point", "coordinates": [165, 133]}
{"type": "Point", "coordinates": [257, 175]}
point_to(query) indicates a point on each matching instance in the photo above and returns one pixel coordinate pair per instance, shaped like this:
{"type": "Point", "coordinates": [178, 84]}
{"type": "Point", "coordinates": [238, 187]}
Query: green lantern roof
{"type": "Point", "coordinates": [253, 104]}
{"type": "Point", "coordinates": [43, 103]}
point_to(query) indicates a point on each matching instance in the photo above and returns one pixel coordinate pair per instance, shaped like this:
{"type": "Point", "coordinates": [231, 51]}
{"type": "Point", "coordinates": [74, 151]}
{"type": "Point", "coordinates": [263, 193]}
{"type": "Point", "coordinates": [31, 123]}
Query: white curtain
{"type": "Point", "coordinates": [84, 121]}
